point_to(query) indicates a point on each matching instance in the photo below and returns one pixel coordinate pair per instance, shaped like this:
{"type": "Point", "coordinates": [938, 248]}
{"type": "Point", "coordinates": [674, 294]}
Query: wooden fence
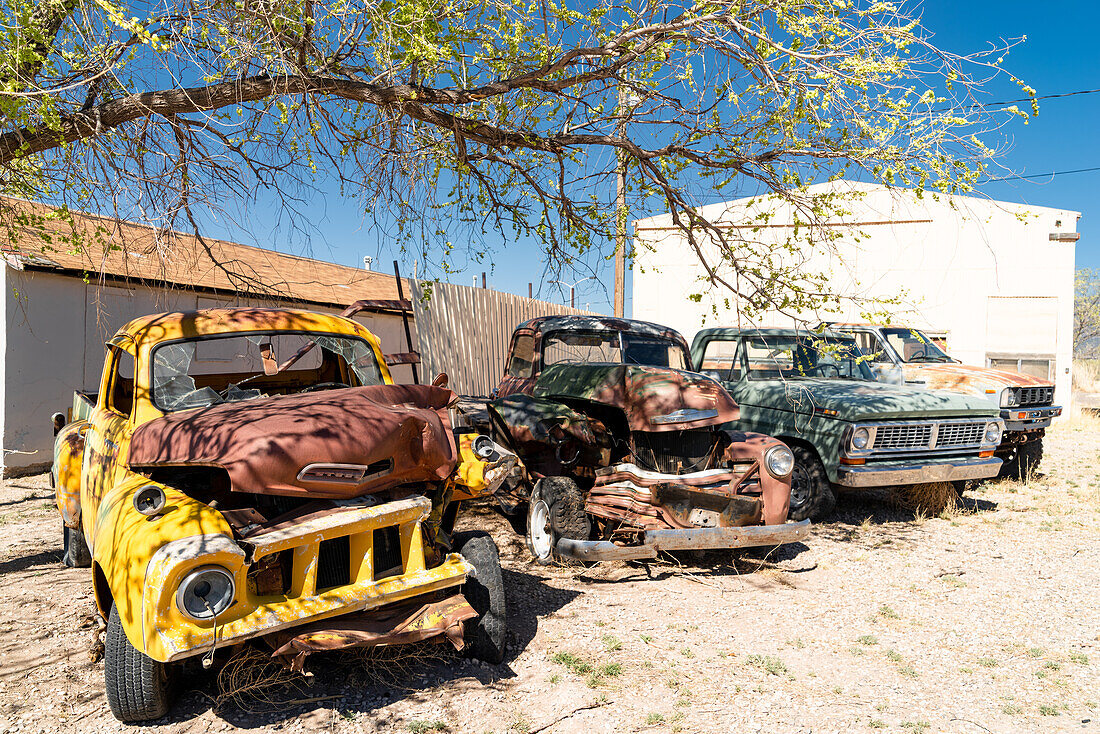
{"type": "Point", "coordinates": [465, 332]}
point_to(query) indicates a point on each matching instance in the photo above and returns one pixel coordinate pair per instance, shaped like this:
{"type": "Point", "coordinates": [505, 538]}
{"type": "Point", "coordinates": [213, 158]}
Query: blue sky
{"type": "Point", "coordinates": [1058, 57]}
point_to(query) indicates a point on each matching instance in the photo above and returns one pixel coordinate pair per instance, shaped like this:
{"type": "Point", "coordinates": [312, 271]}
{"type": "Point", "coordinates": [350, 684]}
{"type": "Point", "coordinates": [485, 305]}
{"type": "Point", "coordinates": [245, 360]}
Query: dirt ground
{"type": "Point", "coordinates": [983, 620]}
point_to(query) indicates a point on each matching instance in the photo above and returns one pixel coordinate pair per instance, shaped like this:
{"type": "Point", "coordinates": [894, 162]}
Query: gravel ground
{"type": "Point", "coordinates": [982, 620]}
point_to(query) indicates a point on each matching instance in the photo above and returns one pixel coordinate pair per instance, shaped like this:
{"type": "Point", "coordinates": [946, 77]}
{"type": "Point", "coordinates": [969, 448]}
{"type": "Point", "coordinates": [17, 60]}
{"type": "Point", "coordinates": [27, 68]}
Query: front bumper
{"type": "Point", "coordinates": [1029, 419]}
{"type": "Point", "coordinates": [654, 541]}
{"type": "Point", "coordinates": [895, 473]}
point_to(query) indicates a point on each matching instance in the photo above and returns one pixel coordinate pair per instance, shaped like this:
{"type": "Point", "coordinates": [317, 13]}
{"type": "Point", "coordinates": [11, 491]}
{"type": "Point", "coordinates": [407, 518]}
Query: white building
{"type": "Point", "coordinates": [994, 278]}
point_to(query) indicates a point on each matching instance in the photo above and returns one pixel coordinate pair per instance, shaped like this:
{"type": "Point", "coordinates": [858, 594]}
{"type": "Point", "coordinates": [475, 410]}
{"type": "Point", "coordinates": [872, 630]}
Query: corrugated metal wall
{"type": "Point", "coordinates": [465, 332]}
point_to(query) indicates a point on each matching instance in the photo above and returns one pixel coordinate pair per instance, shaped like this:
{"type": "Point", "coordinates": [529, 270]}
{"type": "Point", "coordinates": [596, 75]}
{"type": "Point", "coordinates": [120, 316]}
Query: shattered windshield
{"type": "Point", "coordinates": [612, 347]}
{"type": "Point", "coordinates": [792, 357]}
{"type": "Point", "coordinates": [913, 345]}
{"type": "Point", "coordinates": [201, 372]}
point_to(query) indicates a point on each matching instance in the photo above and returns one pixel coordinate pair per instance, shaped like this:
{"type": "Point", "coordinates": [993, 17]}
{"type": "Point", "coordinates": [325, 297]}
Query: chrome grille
{"type": "Point", "coordinates": [911, 436]}
{"type": "Point", "coordinates": [1036, 396]}
{"type": "Point", "coordinates": [960, 434]}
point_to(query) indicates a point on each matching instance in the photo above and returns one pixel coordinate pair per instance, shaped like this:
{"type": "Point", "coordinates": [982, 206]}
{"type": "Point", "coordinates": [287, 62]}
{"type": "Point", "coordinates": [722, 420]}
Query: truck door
{"type": "Point", "coordinates": [108, 435]}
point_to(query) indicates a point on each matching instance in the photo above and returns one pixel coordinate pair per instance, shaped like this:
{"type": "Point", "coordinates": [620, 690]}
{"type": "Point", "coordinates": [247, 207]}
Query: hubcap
{"type": "Point", "coordinates": [800, 487]}
{"type": "Point", "coordinates": [538, 529]}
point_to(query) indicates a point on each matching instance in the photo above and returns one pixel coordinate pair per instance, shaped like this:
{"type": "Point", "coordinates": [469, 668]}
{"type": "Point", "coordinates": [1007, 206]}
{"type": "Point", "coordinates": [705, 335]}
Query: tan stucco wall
{"type": "Point", "coordinates": [53, 339]}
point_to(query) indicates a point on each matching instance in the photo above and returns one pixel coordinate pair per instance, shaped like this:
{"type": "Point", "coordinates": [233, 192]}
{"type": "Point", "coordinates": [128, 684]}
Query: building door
{"type": "Point", "coordinates": [1022, 334]}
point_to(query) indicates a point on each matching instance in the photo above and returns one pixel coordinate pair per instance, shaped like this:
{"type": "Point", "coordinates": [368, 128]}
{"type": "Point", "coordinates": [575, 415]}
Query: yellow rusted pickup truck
{"type": "Point", "coordinates": [253, 476]}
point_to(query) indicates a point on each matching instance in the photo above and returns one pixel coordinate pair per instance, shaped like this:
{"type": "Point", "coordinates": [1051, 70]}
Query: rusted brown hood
{"type": "Point", "coordinates": [653, 398]}
{"type": "Point", "coordinates": [269, 444]}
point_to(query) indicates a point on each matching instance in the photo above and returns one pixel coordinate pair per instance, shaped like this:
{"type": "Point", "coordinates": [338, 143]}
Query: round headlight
{"type": "Point", "coordinates": [205, 592]}
{"type": "Point", "coordinates": [1010, 397]}
{"type": "Point", "coordinates": [149, 500]}
{"type": "Point", "coordinates": [483, 447]}
{"type": "Point", "coordinates": [993, 433]}
{"type": "Point", "coordinates": [860, 438]}
{"type": "Point", "coordinates": [779, 461]}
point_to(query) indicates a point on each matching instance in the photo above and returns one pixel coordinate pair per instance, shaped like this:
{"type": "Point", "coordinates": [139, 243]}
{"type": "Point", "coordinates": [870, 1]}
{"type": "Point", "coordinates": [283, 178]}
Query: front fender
{"type": "Point", "coordinates": [125, 543]}
{"type": "Point", "coordinates": [530, 421]}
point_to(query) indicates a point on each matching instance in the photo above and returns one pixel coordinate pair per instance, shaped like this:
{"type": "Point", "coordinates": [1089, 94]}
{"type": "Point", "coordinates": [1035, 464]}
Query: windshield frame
{"type": "Point", "coordinates": [814, 342]}
{"type": "Point", "coordinates": [685, 353]}
{"type": "Point", "coordinates": [929, 343]}
{"type": "Point", "coordinates": [151, 356]}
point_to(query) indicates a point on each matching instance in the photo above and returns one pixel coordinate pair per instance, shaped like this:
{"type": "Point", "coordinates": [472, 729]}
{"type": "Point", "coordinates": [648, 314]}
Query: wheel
{"type": "Point", "coordinates": [484, 589]}
{"type": "Point", "coordinates": [1023, 461]}
{"type": "Point", "coordinates": [556, 510]}
{"type": "Point", "coordinates": [811, 496]}
{"type": "Point", "coordinates": [137, 685]}
{"type": "Point", "coordinates": [76, 553]}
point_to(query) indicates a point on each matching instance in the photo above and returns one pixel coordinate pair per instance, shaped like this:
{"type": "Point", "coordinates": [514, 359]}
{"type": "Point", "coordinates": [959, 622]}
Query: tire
{"type": "Point", "coordinates": [76, 553]}
{"type": "Point", "coordinates": [137, 686]}
{"type": "Point", "coordinates": [484, 590]}
{"type": "Point", "coordinates": [1023, 462]}
{"type": "Point", "coordinates": [556, 510]}
{"type": "Point", "coordinates": [812, 497]}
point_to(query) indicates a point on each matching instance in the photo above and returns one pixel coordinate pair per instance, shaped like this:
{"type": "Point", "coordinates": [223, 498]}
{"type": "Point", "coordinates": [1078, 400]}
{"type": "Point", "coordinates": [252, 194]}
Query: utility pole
{"type": "Point", "coordinates": [620, 213]}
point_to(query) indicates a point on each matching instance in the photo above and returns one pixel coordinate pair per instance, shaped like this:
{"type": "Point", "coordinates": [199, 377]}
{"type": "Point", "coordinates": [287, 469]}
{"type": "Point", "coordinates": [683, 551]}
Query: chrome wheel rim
{"type": "Point", "coordinates": [538, 529]}
{"type": "Point", "coordinates": [800, 487]}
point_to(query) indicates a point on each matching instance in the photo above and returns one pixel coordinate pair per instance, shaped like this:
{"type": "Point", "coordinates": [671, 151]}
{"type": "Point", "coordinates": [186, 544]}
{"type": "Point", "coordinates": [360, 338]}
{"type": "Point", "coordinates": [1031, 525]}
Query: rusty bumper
{"type": "Point", "coordinates": [916, 472]}
{"type": "Point", "coordinates": [654, 541]}
{"type": "Point", "coordinates": [1029, 419]}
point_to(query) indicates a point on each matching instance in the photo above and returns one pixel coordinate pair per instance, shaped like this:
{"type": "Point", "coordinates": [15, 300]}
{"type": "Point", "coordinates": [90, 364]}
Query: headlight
{"type": "Point", "coordinates": [861, 437]}
{"type": "Point", "coordinates": [1010, 397]}
{"type": "Point", "coordinates": [205, 590]}
{"type": "Point", "coordinates": [149, 500]}
{"type": "Point", "coordinates": [779, 461]}
{"type": "Point", "coordinates": [993, 433]}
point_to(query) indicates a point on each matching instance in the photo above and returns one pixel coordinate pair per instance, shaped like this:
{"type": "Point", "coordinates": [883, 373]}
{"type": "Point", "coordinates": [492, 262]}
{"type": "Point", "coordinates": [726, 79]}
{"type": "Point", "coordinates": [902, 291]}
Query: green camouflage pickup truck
{"type": "Point", "coordinates": [817, 394]}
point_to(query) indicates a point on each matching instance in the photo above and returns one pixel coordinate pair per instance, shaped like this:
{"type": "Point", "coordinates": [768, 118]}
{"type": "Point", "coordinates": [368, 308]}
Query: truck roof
{"type": "Point", "coordinates": [185, 324]}
{"type": "Point", "coordinates": [599, 323]}
{"type": "Point", "coordinates": [769, 331]}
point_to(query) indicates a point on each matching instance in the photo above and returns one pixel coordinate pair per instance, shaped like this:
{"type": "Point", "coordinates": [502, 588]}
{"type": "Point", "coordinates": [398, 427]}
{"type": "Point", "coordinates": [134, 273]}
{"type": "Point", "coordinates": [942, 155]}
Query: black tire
{"type": "Point", "coordinates": [812, 497]}
{"type": "Point", "coordinates": [484, 589]}
{"type": "Point", "coordinates": [137, 686]}
{"type": "Point", "coordinates": [566, 517]}
{"type": "Point", "coordinates": [1023, 462]}
{"type": "Point", "coordinates": [76, 553]}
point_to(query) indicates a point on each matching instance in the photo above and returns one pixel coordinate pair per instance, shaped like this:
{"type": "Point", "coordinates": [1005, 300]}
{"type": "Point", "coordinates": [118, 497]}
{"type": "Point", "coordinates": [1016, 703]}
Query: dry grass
{"type": "Point", "coordinates": [929, 498]}
{"type": "Point", "coordinates": [1078, 420]}
{"type": "Point", "coordinates": [1086, 375]}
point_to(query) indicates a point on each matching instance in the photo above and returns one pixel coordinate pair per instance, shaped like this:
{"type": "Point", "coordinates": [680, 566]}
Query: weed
{"type": "Point", "coordinates": [908, 672]}
{"type": "Point", "coordinates": [1079, 657]}
{"type": "Point", "coordinates": [916, 726]}
{"type": "Point", "coordinates": [988, 662]}
{"type": "Point", "coordinates": [521, 725]}
{"type": "Point", "coordinates": [797, 643]}
{"type": "Point", "coordinates": [1035, 652]}
{"type": "Point", "coordinates": [1012, 709]}
{"type": "Point", "coordinates": [654, 718]}
{"type": "Point", "coordinates": [894, 656]}
{"type": "Point", "coordinates": [966, 670]}
{"type": "Point", "coordinates": [881, 707]}
{"type": "Point", "coordinates": [647, 639]}
{"type": "Point", "coordinates": [887, 612]}
{"type": "Point", "coordinates": [1051, 665]}
{"type": "Point", "coordinates": [838, 690]}
{"type": "Point", "coordinates": [555, 679]}
{"type": "Point", "coordinates": [876, 724]}
{"type": "Point", "coordinates": [574, 663]}
{"type": "Point", "coordinates": [1048, 710]}
{"type": "Point", "coordinates": [867, 640]}
{"type": "Point", "coordinates": [952, 580]}
{"type": "Point", "coordinates": [683, 703]}
{"type": "Point", "coordinates": [600, 623]}
{"type": "Point", "coordinates": [612, 643]}
{"type": "Point", "coordinates": [424, 727]}
{"type": "Point", "coordinates": [686, 652]}
{"type": "Point", "coordinates": [769, 664]}
{"type": "Point", "coordinates": [607, 670]}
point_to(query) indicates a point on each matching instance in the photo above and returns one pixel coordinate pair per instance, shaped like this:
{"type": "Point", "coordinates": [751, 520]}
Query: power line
{"type": "Point", "coordinates": [1042, 175]}
{"type": "Point", "coordinates": [1024, 99]}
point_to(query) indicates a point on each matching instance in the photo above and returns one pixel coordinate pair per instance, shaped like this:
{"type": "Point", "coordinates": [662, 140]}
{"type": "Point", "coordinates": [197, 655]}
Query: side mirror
{"type": "Point", "coordinates": [59, 422]}
{"type": "Point", "coordinates": [441, 380]}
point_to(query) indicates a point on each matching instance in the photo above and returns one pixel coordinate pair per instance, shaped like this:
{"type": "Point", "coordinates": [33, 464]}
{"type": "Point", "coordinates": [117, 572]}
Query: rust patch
{"type": "Point", "coordinates": [266, 443]}
{"type": "Point", "coordinates": [398, 624]}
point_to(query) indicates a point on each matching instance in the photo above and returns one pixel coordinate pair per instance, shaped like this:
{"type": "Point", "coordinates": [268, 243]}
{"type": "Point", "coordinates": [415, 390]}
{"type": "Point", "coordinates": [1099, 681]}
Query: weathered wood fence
{"type": "Point", "coordinates": [465, 332]}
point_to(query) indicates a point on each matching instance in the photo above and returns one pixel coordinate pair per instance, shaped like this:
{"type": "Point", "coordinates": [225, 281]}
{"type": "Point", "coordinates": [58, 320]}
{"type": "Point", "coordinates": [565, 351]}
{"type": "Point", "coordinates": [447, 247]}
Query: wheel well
{"type": "Point", "coordinates": [801, 442]}
{"type": "Point", "coordinates": [103, 598]}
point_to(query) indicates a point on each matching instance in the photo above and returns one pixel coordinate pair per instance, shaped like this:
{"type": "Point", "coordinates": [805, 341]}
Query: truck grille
{"type": "Point", "coordinates": [914, 436]}
{"type": "Point", "coordinates": [1036, 396]}
{"type": "Point", "coordinates": [334, 563]}
{"type": "Point", "coordinates": [960, 434]}
{"type": "Point", "coordinates": [675, 452]}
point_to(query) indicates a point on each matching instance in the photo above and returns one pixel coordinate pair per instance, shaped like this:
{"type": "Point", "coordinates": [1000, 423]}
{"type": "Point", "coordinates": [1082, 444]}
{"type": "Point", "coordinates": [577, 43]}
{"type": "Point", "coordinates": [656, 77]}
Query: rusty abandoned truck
{"type": "Point", "coordinates": [817, 393]}
{"type": "Point", "coordinates": [1026, 403]}
{"type": "Point", "coordinates": [254, 474]}
{"type": "Point", "coordinates": [626, 452]}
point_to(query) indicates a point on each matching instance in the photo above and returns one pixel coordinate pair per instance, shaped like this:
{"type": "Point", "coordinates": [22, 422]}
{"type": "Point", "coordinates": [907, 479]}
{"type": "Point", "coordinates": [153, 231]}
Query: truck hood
{"type": "Point", "coordinates": [652, 398]}
{"type": "Point", "coordinates": [861, 401]}
{"type": "Point", "coordinates": [328, 444]}
{"type": "Point", "coordinates": [969, 379]}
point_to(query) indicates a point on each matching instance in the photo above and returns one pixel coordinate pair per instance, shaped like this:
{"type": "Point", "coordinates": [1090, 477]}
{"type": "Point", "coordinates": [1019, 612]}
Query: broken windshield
{"type": "Point", "coordinates": [913, 345]}
{"type": "Point", "coordinates": [201, 372]}
{"type": "Point", "coordinates": [612, 347]}
{"type": "Point", "coordinates": [787, 357]}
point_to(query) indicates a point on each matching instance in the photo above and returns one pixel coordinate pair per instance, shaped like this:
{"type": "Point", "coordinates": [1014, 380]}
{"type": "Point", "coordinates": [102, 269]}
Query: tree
{"type": "Point", "coordinates": [1086, 313]}
{"type": "Point", "coordinates": [450, 118]}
